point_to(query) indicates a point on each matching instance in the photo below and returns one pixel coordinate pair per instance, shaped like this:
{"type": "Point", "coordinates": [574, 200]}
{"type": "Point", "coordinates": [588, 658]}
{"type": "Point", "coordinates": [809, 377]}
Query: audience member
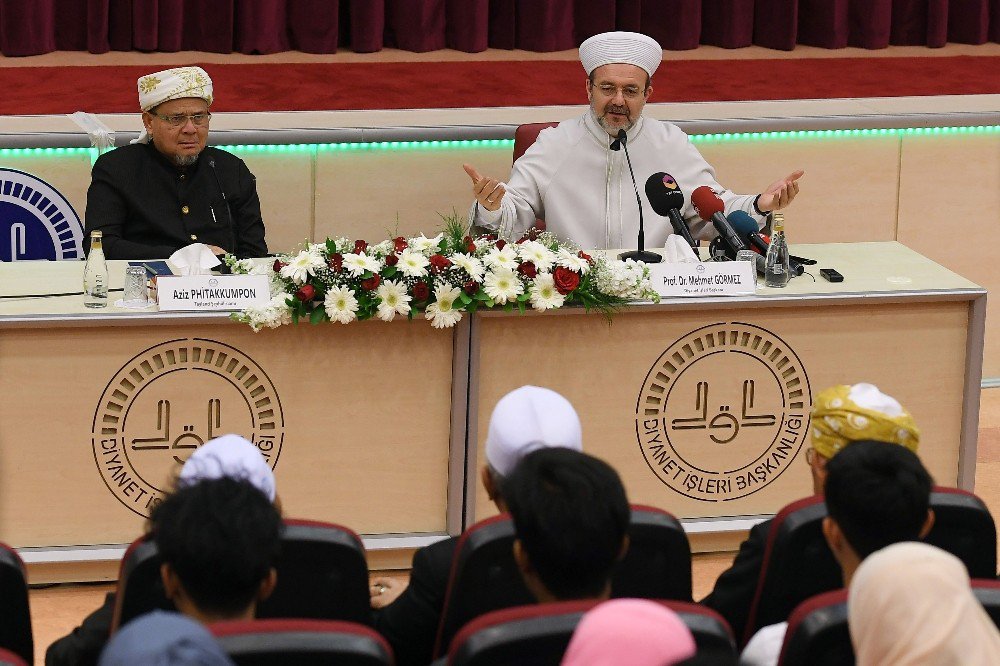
{"type": "Point", "coordinates": [649, 633]}
{"type": "Point", "coordinates": [229, 454]}
{"type": "Point", "coordinates": [164, 639]}
{"type": "Point", "coordinates": [877, 494]}
{"type": "Point", "coordinates": [571, 521]}
{"type": "Point", "coordinates": [840, 415]}
{"type": "Point", "coordinates": [911, 604]}
{"type": "Point", "coordinates": [524, 420]}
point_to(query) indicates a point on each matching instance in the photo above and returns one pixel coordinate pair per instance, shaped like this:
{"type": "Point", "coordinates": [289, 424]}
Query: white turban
{"type": "Point", "coordinates": [630, 48]}
{"type": "Point", "coordinates": [231, 456]}
{"type": "Point", "coordinates": [527, 419]}
{"type": "Point", "coordinates": [176, 83]}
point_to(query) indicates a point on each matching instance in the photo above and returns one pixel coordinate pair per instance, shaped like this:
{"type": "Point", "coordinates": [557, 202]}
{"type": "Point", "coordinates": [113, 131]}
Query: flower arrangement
{"type": "Point", "coordinates": [443, 277]}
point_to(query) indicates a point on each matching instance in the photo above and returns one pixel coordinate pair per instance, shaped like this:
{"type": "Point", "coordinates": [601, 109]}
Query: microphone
{"type": "Point", "coordinates": [746, 227]}
{"type": "Point", "coordinates": [666, 198]}
{"type": "Point", "coordinates": [229, 213]}
{"type": "Point", "coordinates": [709, 208]}
{"type": "Point", "coordinates": [640, 254]}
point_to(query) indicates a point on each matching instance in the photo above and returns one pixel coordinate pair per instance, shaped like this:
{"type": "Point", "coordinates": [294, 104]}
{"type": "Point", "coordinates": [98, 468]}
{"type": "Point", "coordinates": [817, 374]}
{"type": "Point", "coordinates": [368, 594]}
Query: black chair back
{"type": "Point", "coordinates": [15, 630]}
{"type": "Point", "coordinates": [817, 633]}
{"type": "Point", "coordinates": [302, 642]}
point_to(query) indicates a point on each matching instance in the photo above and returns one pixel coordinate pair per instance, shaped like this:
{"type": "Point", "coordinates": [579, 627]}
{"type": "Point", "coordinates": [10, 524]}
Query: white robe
{"type": "Point", "coordinates": [582, 189]}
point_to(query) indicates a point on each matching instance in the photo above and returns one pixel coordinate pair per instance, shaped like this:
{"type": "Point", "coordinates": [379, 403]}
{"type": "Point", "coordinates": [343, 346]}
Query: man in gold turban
{"type": "Point", "coordinates": [840, 415]}
{"type": "Point", "coordinates": [167, 189]}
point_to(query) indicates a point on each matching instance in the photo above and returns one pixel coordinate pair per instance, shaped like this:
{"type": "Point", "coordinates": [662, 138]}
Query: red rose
{"type": "Point", "coordinates": [306, 293]}
{"type": "Point", "coordinates": [421, 292]}
{"type": "Point", "coordinates": [565, 279]}
{"type": "Point", "coordinates": [278, 265]}
{"type": "Point", "coordinates": [399, 244]}
{"type": "Point", "coordinates": [471, 287]}
{"type": "Point", "coordinates": [501, 244]}
{"type": "Point", "coordinates": [439, 262]}
{"type": "Point", "coordinates": [523, 239]}
{"type": "Point", "coordinates": [470, 247]}
{"type": "Point", "coordinates": [336, 262]}
{"type": "Point", "coordinates": [528, 270]}
{"type": "Point", "coordinates": [586, 257]}
{"type": "Point", "coordinates": [371, 284]}
{"type": "Point", "coordinates": [360, 246]}
{"type": "Point", "coordinates": [391, 260]}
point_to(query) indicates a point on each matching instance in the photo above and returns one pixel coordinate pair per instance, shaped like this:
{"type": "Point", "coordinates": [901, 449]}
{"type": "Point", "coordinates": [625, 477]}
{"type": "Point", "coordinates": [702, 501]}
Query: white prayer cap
{"type": "Point", "coordinates": [176, 83]}
{"type": "Point", "coordinates": [232, 456]}
{"type": "Point", "coordinates": [527, 419]}
{"type": "Point", "coordinates": [631, 48]}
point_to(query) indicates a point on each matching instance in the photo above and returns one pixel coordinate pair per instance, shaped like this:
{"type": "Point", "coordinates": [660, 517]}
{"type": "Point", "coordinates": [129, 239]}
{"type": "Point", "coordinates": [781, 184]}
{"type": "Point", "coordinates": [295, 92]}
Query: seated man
{"type": "Point", "coordinates": [168, 190]}
{"type": "Point", "coordinates": [524, 420]}
{"type": "Point", "coordinates": [840, 415]}
{"type": "Point", "coordinates": [576, 176]}
{"type": "Point", "coordinates": [571, 518]}
{"type": "Point", "coordinates": [877, 494]}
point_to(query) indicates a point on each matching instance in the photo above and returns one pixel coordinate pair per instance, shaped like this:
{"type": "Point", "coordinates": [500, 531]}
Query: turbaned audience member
{"type": "Point", "coordinates": [571, 519]}
{"type": "Point", "coordinates": [650, 634]}
{"type": "Point", "coordinates": [840, 415]}
{"type": "Point", "coordinates": [524, 420]}
{"type": "Point", "coordinates": [911, 605]}
{"type": "Point", "coordinates": [877, 494]}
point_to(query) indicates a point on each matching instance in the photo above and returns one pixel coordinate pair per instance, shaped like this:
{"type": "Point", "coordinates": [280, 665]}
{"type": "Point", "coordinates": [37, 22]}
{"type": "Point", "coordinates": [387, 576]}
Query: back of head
{"type": "Point", "coordinates": [163, 639]}
{"type": "Point", "coordinates": [221, 537]}
{"type": "Point", "coordinates": [649, 633]}
{"type": "Point", "coordinates": [878, 493]}
{"type": "Point", "coordinates": [527, 419]}
{"type": "Point", "coordinates": [571, 515]}
{"type": "Point", "coordinates": [910, 603]}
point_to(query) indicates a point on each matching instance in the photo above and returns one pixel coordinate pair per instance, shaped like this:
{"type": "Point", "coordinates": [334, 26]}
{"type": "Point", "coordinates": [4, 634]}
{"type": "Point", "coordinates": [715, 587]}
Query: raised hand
{"type": "Point", "coordinates": [779, 193]}
{"type": "Point", "coordinates": [488, 191]}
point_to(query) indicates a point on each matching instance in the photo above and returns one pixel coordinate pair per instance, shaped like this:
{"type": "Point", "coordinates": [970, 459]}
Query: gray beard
{"type": "Point", "coordinates": [612, 131]}
{"type": "Point", "coordinates": [185, 160]}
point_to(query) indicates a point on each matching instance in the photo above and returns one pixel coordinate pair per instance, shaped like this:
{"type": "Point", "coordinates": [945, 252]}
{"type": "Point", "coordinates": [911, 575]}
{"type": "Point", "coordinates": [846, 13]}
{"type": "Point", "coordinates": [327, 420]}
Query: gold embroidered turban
{"type": "Point", "coordinates": [176, 83]}
{"type": "Point", "coordinates": [843, 414]}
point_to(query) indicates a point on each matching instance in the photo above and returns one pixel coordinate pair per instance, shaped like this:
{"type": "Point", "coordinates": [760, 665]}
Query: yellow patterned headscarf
{"type": "Point", "coordinates": [176, 83]}
{"type": "Point", "coordinates": [843, 414]}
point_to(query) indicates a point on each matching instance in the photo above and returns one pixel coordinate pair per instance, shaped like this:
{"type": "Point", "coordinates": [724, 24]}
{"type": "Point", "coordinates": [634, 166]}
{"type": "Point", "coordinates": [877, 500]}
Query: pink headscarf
{"type": "Point", "coordinates": [649, 633]}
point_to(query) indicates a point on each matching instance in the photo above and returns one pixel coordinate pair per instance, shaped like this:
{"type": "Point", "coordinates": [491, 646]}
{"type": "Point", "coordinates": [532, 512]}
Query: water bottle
{"type": "Point", "coordinates": [777, 271]}
{"type": "Point", "coordinates": [95, 274]}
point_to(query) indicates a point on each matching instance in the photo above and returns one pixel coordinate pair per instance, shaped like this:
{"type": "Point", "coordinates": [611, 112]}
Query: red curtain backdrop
{"type": "Point", "coordinates": [30, 27]}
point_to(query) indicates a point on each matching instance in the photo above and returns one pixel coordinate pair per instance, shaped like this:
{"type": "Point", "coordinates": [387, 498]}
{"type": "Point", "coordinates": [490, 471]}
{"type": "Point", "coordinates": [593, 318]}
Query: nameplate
{"type": "Point", "coordinates": [207, 293]}
{"type": "Point", "coordinates": [711, 278]}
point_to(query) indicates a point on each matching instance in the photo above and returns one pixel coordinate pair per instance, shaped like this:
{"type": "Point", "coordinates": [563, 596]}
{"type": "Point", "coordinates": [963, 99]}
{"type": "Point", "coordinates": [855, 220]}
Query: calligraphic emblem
{"type": "Point", "coordinates": [170, 399]}
{"type": "Point", "coordinates": [723, 411]}
{"type": "Point", "coordinates": [36, 221]}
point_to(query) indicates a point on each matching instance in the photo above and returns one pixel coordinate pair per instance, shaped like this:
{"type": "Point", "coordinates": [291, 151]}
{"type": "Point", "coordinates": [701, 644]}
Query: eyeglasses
{"type": "Point", "coordinates": [628, 92]}
{"type": "Point", "coordinates": [180, 119]}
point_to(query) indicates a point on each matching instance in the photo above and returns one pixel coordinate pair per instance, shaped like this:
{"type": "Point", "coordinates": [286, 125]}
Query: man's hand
{"type": "Point", "coordinates": [488, 191]}
{"type": "Point", "coordinates": [216, 250]}
{"type": "Point", "coordinates": [384, 591]}
{"type": "Point", "coordinates": [779, 193]}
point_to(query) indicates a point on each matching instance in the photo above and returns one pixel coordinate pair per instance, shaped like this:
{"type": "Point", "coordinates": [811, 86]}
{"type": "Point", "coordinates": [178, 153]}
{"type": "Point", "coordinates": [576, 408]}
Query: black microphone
{"type": "Point", "coordinates": [709, 207]}
{"type": "Point", "coordinates": [229, 213]}
{"type": "Point", "coordinates": [640, 254]}
{"type": "Point", "coordinates": [746, 227]}
{"type": "Point", "coordinates": [666, 198]}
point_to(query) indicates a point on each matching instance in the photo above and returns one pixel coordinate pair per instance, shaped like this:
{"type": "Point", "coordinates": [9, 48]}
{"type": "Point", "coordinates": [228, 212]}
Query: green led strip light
{"type": "Point", "coordinates": [508, 144]}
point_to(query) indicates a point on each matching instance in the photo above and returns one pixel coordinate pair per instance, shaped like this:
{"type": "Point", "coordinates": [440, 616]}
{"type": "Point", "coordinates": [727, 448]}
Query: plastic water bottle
{"type": "Point", "coordinates": [95, 274]}
{"type": "Point", "coordinates": [777, 271]}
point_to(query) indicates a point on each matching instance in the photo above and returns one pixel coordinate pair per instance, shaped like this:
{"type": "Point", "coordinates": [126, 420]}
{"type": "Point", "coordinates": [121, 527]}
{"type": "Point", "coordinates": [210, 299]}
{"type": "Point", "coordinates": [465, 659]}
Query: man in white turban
{"type": "Point", "coordinates": [576, 178]}
{"type": "Point", "coordinates": [169, 190]}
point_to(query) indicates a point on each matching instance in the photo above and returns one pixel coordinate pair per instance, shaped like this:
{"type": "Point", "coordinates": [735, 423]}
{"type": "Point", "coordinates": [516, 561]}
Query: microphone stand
{"type": "Point", "coordinates": [641, 254]}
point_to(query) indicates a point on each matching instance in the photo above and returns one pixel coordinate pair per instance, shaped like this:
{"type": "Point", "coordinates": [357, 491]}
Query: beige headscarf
{"type": "Point", "coordinates": [176, 83]}
{"type": "Point", "coordinates": [910, 603]}
{"type": "Point", "coordinates": [843, 414]}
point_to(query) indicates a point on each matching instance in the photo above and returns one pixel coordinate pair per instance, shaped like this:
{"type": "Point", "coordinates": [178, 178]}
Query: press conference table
{"type": "Point", "coordinates": [700, 404]}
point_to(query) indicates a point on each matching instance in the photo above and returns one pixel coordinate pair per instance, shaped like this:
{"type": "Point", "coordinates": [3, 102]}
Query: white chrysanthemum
{"type": "Point", "coordinates": [505, 258]}
{"type": "Point", "coordinates": [341, 305]}
{"type": "Point", "coordinates": [567, 259]}
{"type": "Point", "coordinates": [543, 293]}
{"type": "Point", "coordinates": [541, 256]}
{"type": "Point", "coordinates": [423, 244]}
{"type": "Point", "coordinates": [503, 285]}
{"type": "Point", "coordinates": [624, 279]}
{"type": "Point", "coordinates": [412, 264]}
{"type": "Point", "coordinates": [394, 300]}
{"type": "Point", "coordinates": [469, 264]}
{"type": "Point", "coordinates": [304, 264]}
{"type": "Point", "coordinates": [381, 249]}
{"type": "Point", "coordinates": [442, 312]}
{"type": "Point", "coordinates": [356, 264]}
{"type": "Point", "coordinates": [272, 314]}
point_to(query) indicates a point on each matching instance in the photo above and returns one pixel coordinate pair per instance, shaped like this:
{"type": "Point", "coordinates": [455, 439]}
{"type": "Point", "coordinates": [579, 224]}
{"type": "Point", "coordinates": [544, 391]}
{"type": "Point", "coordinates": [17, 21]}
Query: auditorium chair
{"type": "Point", "coordinates": [537, 635]}
{"type": "Point", "coordinates": [8, 658]}
{"type": "Point", "coordinates": [484, 576]}
{"type": "Point", "coordinates": [525, 135]}
{"type": "Point", "coordinates": [15, 630]}
{"type": "Point", "coordinates": [964, 527]}
{"type": "Point", "coordinates": [817, 633]}
{"type": "Point", "coordinates": [987, 591]}
{"type": "Point", "coordinates": [322, 574]}
{"type": "Point", "coordinates": [302, 642]}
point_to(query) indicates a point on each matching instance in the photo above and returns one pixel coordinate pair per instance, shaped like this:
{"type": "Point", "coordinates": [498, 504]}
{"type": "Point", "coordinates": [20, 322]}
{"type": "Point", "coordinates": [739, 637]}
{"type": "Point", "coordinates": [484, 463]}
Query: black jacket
{"type": "Point", "coordinates": [148, 208]}
{"type": "Point", "coordinates": [735, 588]}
